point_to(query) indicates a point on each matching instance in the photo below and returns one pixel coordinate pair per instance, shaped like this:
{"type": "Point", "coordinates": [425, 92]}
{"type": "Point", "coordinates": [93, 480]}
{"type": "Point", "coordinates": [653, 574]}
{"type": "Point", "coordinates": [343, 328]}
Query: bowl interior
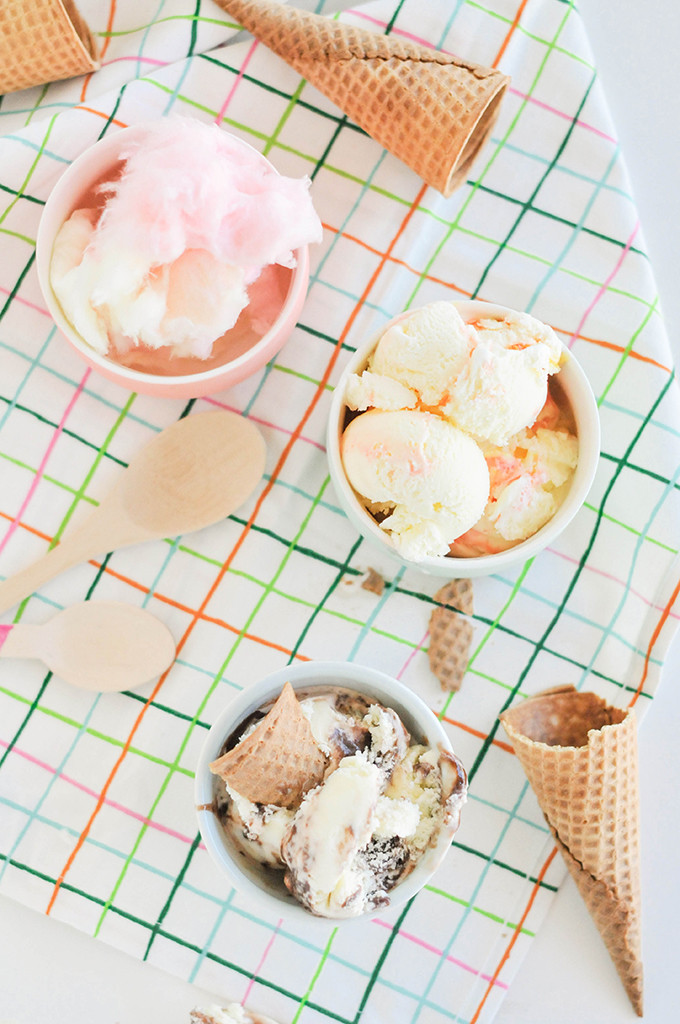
{"type": "Point", "coordinates": [100, 163]}
{"type": "Point", "coordinates": [578, 393]}
{"type": "Point", "coordinates": [264, 885]}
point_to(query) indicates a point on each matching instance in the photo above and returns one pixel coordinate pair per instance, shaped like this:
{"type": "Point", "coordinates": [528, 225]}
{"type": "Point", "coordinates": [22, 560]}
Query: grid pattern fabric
{"type": "Point", "coordinates": [97, 825]}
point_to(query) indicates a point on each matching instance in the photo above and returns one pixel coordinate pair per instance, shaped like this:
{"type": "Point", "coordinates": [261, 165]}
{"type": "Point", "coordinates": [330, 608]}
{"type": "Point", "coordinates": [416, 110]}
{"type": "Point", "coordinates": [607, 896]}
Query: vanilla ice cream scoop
{"type": "Point", "coordinates": [334, 822]}
{"type": "Point", "coordinates": [529, 478]}
{"type": "Point", "coordinates": [503, 385]}
{"type": "Point", "coordinates": [428, 477]}
{"type": "Point", "coordinates": [425, 351]}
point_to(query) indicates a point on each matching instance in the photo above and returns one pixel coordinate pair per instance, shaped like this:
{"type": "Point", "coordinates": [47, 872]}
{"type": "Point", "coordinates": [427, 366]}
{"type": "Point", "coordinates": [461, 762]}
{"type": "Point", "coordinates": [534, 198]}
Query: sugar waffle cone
{"type": "Point", "coordinates": [457, 594]}
{"type": "Point", "coordinates": [430, 109]}
{"type": "Point", "coordinates": [279, 760]}
{"type": "Point", "coordinates": [449, 649]}
{"type": "Point", "coordinates": [43, 41]}
{"type": "Point", "coordinates": [580, 756]}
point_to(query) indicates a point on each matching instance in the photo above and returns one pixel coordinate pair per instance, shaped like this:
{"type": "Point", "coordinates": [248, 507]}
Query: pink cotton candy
{"type": "Point", "coordinates": [189, 185]}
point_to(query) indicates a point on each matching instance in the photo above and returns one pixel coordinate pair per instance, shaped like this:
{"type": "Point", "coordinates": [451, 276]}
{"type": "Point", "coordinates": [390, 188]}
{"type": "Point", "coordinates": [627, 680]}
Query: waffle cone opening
{"type": "Point", "coordinates": [432, 110]}
{"type": "Point", "coordinates": [43, 41]}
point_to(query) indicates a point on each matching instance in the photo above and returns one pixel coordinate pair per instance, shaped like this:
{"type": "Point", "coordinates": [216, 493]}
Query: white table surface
{"type": "Point", "coordinates": [52, 974]}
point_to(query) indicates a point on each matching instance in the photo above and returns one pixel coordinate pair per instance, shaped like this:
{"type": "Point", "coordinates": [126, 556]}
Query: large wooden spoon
{"type": "Point", "coordinates": [96, 645]}
{"type": "Point", "coordinates": [191, 475]}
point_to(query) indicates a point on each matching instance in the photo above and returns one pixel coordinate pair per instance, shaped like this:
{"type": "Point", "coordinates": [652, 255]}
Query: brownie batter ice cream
{"type": "Point", "coordinates": [347, 838]}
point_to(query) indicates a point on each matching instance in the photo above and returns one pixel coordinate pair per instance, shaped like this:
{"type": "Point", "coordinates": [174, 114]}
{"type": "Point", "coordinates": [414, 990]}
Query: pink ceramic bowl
{"type": "Point", "coordinates": [94, 165]}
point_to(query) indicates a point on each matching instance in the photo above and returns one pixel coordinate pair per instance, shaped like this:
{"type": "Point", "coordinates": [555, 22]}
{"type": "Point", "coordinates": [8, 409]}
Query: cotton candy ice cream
{"type": "Point", "coordinates": [381, 804]}
{"type": "Point", "coordinates": [486, 382]}
{"type": "Point", "coordinates": [427, 478]}
{"type": "Point", "coordinates": [166, 255]}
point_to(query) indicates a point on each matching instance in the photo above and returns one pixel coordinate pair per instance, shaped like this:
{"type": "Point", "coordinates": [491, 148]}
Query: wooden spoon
{"type": "Point", "coordinates": [194, 473]}
{"type": "Point", "coordinates": [96, 645]}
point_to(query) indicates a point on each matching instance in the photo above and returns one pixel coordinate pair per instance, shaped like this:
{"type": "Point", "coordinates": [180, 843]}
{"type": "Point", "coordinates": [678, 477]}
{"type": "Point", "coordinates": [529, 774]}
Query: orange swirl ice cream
{"type": "Point", "coordinates": [461, 444]}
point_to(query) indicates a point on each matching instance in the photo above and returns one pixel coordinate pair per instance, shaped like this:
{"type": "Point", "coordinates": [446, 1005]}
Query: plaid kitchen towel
{"type": "Point", "coordinates": [97, 824]}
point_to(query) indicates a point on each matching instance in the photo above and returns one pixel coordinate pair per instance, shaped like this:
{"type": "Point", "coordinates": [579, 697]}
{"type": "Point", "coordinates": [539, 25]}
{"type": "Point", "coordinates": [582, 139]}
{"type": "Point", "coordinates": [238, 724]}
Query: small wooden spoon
{"type": "Point", "coordinates": [96, 645]}
{"type": "Point", "coordinates": [194, 473]}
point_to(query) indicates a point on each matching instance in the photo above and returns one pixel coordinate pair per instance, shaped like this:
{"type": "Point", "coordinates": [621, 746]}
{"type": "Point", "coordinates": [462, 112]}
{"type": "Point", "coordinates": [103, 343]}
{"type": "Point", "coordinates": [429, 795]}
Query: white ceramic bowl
{"type": "Point", "coordinates": [264, 887]}
{"type": "Point", "coordinates": [582, 401]}
{"type": "Point", "coordinates": [91, 167]}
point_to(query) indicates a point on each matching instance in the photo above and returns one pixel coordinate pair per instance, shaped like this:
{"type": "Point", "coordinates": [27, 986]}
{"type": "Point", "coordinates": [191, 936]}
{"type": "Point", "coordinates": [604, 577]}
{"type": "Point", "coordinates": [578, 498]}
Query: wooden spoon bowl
{"type": "Point", "coordinates": [95, 645]}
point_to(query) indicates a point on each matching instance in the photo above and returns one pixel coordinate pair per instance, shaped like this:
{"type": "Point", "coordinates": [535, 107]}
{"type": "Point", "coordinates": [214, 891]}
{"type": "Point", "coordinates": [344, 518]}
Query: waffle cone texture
{"type": "Point", "coordinates": [43, 41]}
{"type": "Point", "coordinates": [430, 109]}
{"type": "Point", "coordinates": [277, 762]}
{"type": "Point", "coordinates": [580, 756]}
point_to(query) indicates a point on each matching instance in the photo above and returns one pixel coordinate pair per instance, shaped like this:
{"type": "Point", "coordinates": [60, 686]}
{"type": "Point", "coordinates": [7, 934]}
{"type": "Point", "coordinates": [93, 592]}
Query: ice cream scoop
{"type": "Point", "coordinates": [503, 384]}
{"type": "Point", "coordinates": [488, 376]}
{"type": "Point", "coordinates": [427, 479]}
{"type": "Point", "coordinates": [425, 351]}
{"type": "Point", "coordinates": [530, 478]}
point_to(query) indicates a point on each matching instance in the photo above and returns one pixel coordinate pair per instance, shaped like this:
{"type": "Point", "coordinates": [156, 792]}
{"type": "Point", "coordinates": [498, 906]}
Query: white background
{"type": "Point", "coordinates": [55, 975]}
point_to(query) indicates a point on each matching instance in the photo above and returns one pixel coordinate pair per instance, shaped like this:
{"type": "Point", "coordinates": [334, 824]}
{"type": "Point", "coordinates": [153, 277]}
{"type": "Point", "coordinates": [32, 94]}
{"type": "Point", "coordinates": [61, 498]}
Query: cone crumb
{"type": "Point", "coordinates": [449, 650]}
{"type": "Point", "coordinates": [373, 582]}
{"type": "Point", "coordinates": [457, 594]}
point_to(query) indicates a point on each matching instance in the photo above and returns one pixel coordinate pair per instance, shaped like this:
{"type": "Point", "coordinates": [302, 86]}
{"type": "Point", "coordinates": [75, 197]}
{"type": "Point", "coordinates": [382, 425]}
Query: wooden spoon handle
{"type": "Point", "coordinates": [20, 641]}
{"type": "Point", "coordinates": [22, 584]}
{"type": "Point", "coordinates": [4, 633]}
{"type": "Point", "coordinates": [105, 529]}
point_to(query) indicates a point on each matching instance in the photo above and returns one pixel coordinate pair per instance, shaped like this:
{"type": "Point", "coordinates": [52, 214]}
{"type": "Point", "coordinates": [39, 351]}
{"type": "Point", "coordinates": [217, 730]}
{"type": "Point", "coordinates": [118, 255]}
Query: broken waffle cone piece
{"type": "Point", "coordinates": [279, 761]}
{"type": "Point", "coordinates": [456, 594]}
{"type": "Point", "coordinates": [449, 650]}
{"type": "Point", "coordinates": [373, 582]}
{"type": "Point", "coordinates": [430, 109]}
{"type": "Point", "coordinates": [580, 756]}
{"type": "Point", "coordinates": [43, 41]}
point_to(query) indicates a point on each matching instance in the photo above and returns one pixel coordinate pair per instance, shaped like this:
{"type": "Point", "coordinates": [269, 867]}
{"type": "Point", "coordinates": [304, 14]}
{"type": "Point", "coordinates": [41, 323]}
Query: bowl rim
{"type": "Point", "coordinates": [418, 718]}
{"type": "Point", "coordinates": [584, 408]}
{"type": "Point", "coordinates": [50, 224]}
